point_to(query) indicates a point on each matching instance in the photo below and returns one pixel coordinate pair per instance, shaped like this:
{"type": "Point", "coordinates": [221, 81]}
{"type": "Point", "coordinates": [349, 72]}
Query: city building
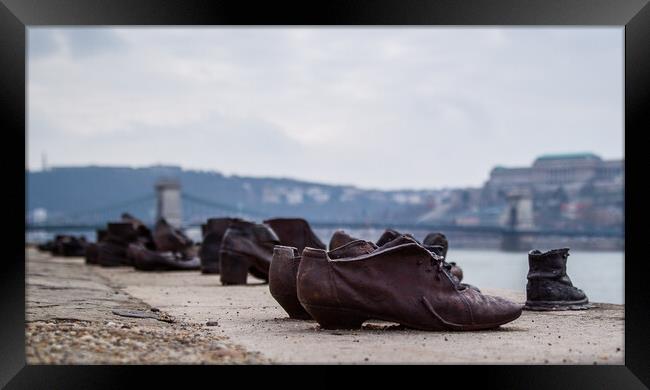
{"type": "Point", "coordinates": [577, 191]}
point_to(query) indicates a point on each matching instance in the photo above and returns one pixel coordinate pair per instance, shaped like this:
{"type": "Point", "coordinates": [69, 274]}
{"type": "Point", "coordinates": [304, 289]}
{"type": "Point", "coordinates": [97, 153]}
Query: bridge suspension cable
{"type": "Point", "coordinates": [116, 208]}
{"type": "Point", "coordinates": [220, 206]}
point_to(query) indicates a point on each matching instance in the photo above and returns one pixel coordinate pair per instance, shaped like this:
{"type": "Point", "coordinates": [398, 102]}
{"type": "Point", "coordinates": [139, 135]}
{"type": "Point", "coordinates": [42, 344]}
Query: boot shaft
{"type": "Point", "coordinates": [220, 225]}
{"type": "Point", "coordinates": [548, 265]}
{"type": "Point", "coordinates": [284, 270]}
{"type": "Point", "coordinates": [121, 232]}
{"type": "Point", "coordinates": [167, 238]}
{"type": "Point", "coordinates": [101, 234]}
{"type": "Point", "coordinates": [250, 238]}
{"type": "Point", "coordinates": [437, 239]}
{"type": "Point", "coordinates": [340, 238]}
{"type": "Point", "coordinates": [387, 236]}
{"type": "Point", "coordinates": [295, 232]}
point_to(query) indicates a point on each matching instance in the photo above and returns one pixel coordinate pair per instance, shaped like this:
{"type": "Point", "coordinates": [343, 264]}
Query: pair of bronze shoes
{"type": "Point", "coordinates": [400, 281]}
{"type": "Point", "coordinates": [130, 243]}
{"type": "Point", "coordinates": [235, 248]}
{"type": "Point", "coordinates": [65, 245]}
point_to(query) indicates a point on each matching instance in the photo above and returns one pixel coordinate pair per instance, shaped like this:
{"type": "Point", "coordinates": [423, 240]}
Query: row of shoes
{"type": "Point", "coordinates": [396, 279]}
{"type": "Point", "coordinates": [235, 248]}
{"type": "Point", "coordinates": [129, 242]}
{"type": "Point", "coordinates": [399, 279]}
{"type": "Point", "coordinates": [65, 245]}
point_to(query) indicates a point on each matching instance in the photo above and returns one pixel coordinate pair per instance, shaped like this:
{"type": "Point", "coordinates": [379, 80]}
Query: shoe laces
{"type": "Point", "coordinates": [441, 266]}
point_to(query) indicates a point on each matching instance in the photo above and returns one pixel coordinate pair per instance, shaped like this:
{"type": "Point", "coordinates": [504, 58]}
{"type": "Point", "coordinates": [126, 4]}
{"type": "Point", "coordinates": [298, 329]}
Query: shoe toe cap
{"type": "Point", "coordinates": [577, 294]}
{"type": "Point", "coordinates": [498, 311]}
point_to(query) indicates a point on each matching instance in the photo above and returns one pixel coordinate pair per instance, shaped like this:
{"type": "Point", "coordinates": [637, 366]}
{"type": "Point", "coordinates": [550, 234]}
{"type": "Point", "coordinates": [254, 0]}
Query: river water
{"type": "Point", "coordinates": [600, 274]}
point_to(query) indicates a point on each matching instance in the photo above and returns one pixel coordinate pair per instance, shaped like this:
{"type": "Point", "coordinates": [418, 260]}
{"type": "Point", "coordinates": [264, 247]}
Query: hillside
{"type": "Point", "coordinates": [78, 190]}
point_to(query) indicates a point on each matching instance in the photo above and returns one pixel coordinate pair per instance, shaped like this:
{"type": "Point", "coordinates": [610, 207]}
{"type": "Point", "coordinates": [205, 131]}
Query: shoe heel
{"type": "Point", "coordinates": [209, 265]}
{"type": "Point", "coordinates": [292, 307]}
{"type": "Point", "coordinates": [233, 268]}
{"type": "Point", "coordinates": [210, 268]}
{"type": "Point", "coordinates": [335, 318]}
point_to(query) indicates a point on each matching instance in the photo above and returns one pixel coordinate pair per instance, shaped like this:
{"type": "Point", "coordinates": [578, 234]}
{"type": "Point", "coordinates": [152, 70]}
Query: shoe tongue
{"type": "Point", "coordinates": [265, 233]}
{"type": "Point", "coordinates": [435, 239]}
{"type": "Point", "coordinates": [241, 223]}
{"type": "Point", "coordinates": [436, 249]}
{"type": "Point", "coordinates": [399, 240]}
{"type": "Point", "coordinates": [218, 225]}
{"type": "Point", "coordinates": [352, 249]}
{"type": "Point", "coordinates": [340, 238]}
{"type": "Point", "coordinates": [388, 236]}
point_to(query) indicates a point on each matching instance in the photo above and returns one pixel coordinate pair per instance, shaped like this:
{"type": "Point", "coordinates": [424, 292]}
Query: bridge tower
{"type": "Point", "coordinates": [520, 217]}
{"type": "Point", "coordinates": [168, 197]}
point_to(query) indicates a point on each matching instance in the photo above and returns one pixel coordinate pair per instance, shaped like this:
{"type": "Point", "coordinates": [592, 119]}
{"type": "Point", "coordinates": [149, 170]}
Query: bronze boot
{"type": "Point", "coordinates": [112, 250]}
{"type": "Point", "coordinates": [437, 239]}
{"type": "Point", "coordinates": [282, 281]}
{"type": "Point", "coordinates": [246, 247]}
{"type": "Point", "coordinates": [92, 249]}
{"type": "Point", "coordinates": [340, 238]}
{"type": "Point", "coordinates": [145, 259]}
{"type": "Point", "coordinates": [387, 236]}
{"type": "Point", "coordinates": [72, 246]}
{"type": "Point", "coordinates": [284, 270]}
{"type": "Point", "coordinates": [295, 232]}
{"type": "Point", "coordinates": [549, 287]}
{"type": "Point", "coordinates": [143, 232]}
{"type": "Point", "coordinates": [405, 283]}
{"type": "Point", "coordinates": [213, 233]}
{"type": "Point", "coordinates": [440, 240]}
{"type": "Point", "coordinates": [169, 239]}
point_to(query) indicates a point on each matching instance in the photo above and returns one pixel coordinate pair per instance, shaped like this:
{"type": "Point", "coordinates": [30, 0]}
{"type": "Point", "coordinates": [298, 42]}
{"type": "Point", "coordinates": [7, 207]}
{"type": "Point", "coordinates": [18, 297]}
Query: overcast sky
{"type": "Point", "coordinates": [373, 107]}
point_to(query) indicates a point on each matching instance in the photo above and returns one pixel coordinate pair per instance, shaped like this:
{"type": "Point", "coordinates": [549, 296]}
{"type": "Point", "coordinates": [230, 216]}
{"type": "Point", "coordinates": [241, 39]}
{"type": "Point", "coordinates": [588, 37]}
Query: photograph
{"type": "Point", "coordinates": [325, 195]}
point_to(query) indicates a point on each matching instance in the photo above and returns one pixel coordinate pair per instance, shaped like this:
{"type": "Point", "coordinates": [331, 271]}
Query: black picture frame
{"type": "Point", "coordinates": [17, 15]}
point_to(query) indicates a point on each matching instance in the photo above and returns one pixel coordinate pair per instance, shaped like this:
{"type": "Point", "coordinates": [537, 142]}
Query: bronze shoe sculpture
{"type": "Point", "coordinates": [145, 259]}
{"type": "Point", "coordinates": [54, 246]}
{"type": "Point", "coordinates": [440, 240]}
{"type": "Point", "coordinates": [282, 280]}
{"type": "Point", "coordinates": [549, 287]}
{"type": "Point", "coordinates": [340, 238]}
{"type": "Point", "coordinates": [65, 245]}
{"type": "Point", "coordinates": [46, 246]}
{"type": "Point", "coordinates": [388, 236]}
{"type": "Point", "coordinates": [405, 283]}
{"type": "Point", "coordinates": [144, 234]}
{"type": "Point", "coordinates": [112, 250]}
{"type": "Point", "coordinates": [169, 239]}
{"type": "Point", "coordinates": [246, 247]}
{"type": "Point", "coordinates": [213, 232]}
{"type": "Point", "coordinates": [284, 270]}
{"type": "Point", "coordinates": [92, 249]}
{"type": "Point", "coordinates": [92, 252]}
{"type": "Point", "coordinates": [295, 232]}
{"type": "Point", "coordinates": [433, 241]}
{"type": "Point", "coordinates": [71, 246]}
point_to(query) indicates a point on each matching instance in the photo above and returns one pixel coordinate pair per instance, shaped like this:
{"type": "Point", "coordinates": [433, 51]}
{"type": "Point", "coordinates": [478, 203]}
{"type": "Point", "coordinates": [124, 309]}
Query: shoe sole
{"type": "Point", "coordinates": [209, 265]}
{"type": "Point", "coordinates": [342, 318]}
{"type": "Point", "coordinates": [292, 306]}
{"type": "Point", "coordinates": [582, 304]}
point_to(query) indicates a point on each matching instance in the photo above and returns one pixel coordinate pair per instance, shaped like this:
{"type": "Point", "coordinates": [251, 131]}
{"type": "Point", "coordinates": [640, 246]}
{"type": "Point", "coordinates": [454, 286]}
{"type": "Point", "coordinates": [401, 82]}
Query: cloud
{"type": "Point", "coordinates": [375, 107]}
